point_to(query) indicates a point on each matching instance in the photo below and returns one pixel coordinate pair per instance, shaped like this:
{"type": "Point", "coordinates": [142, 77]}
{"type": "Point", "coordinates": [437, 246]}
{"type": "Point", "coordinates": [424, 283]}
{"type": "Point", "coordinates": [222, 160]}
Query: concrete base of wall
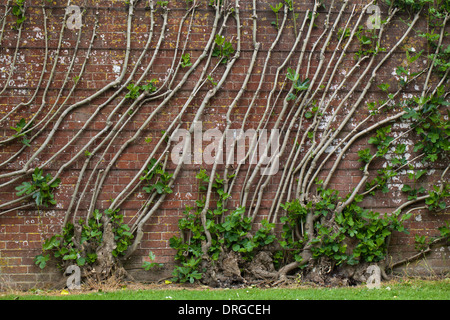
{"type": "Point", "coordinates": [435, 264]}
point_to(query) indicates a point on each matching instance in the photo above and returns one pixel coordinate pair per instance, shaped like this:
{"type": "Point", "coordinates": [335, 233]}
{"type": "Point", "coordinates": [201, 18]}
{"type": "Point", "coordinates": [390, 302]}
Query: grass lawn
{"type": "Point", "coordinates": [393, 290]}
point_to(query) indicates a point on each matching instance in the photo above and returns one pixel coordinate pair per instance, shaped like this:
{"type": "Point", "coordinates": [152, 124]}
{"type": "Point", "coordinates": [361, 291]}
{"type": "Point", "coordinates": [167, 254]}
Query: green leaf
{"type": "Point", "coordinates": [365, 155]}
{"type": "Point", "coordinates": [401, 70]}
{"type": "Point", "coordinates": [400, 148]}
{"type": "Point", "coordinates": [159, 186]}
{"type": "Point", "coordinates": [56, 183]}
{"type": "Point", "coordinates": [373, 140]}
{"type": "Point", "coordinates": [20, 125]}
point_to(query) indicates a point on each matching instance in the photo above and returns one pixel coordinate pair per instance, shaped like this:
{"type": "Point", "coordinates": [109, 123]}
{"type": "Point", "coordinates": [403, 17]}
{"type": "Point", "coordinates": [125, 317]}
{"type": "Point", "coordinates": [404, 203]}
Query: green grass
{"type": "Point", "coordinates": [398, 290]}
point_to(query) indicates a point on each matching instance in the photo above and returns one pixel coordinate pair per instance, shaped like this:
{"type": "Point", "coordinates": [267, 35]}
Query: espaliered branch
{"type": "Point", "coordinates": [323, 99]}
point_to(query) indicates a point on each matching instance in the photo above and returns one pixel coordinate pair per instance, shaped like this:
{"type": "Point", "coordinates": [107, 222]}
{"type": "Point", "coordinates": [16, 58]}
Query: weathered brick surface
{"type": "Point", "coordinates": [23, 231]}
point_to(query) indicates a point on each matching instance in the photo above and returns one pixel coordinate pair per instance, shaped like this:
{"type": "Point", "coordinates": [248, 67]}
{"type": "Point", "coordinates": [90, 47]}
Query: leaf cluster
{"type": "Point", "coordinates": [292, 236]}
{"type": "Point", "coordinates": [18, 11]}
{"type": "Point", "coordinates": [147, 265]}
{"type": "Point", "coordinates": [70, 248]}
{"type": "Point", "coordinates": [365, 229]}
{"type": "Point", "coordinates": [134, 91]}
{"type": "Point", "coordinates": [408, 5]}
{"type": "Point", "coordinates": [371, 230]}
{"type": "Point", "coordinates": [20, 128]}
{"type": "Point", "coordinates": [368, 44]}
{"type": "Point", "coordinates": [41, 188]}
{"type": "Point", "coordinates": [222, 49]}
{"type": "Point", "coordinates": [276, 9]}
{"type": "Point", "coordinates": [228, 232]}
{"type": "Point", "coordinates": [299, 84]}
{"type": "Point", "coordinates": [436, 199]}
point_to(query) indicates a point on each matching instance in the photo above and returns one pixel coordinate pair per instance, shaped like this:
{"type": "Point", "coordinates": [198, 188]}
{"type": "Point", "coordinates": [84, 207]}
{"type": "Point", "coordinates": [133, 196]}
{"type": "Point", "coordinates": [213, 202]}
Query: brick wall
{"type": "Point", "coordinates": [23, 231]}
